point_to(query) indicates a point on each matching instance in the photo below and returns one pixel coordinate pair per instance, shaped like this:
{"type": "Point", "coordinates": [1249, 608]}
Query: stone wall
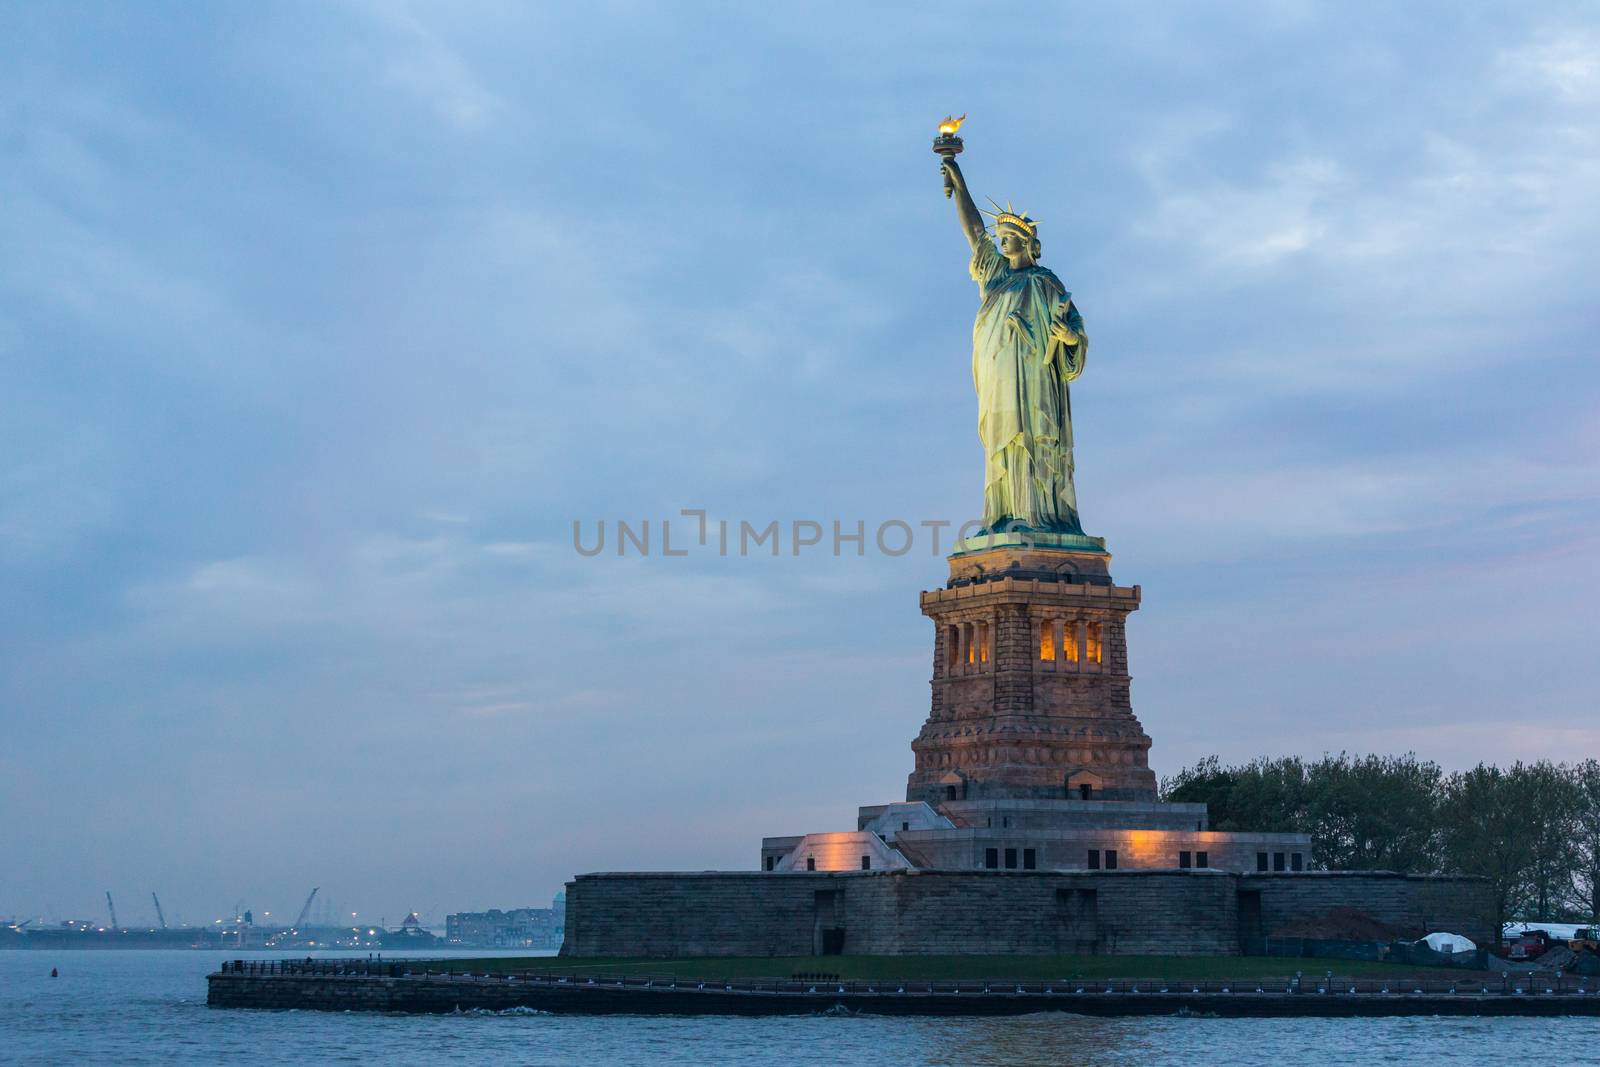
{"type": "Point", "coordinates": [1416, 904]}
{"type": "Point", "coordinates": [1134, 912]}
{"type": "Point", "coordinates": [723, 913]}
{"type": "Point", "coordinates": [1070, 814]}
{"type": "Point", "coordinates": [1043, 913]}
{"type": "Point", "coordinates": [1059, 850]}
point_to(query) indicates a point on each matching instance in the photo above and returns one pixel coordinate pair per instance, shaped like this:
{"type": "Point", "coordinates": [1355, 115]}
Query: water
{"type": "Point", "coordinates": [135, 1007]}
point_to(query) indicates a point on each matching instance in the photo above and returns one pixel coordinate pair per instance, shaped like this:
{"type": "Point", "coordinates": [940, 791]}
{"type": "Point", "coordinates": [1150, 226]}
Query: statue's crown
{"type": "Point", "coordinates": [1010, 216]}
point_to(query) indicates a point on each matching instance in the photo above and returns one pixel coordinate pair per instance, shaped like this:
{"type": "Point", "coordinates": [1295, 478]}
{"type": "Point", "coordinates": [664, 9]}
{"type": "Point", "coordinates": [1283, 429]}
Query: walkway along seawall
{"type": "Point", "coordinates": [361, 985]}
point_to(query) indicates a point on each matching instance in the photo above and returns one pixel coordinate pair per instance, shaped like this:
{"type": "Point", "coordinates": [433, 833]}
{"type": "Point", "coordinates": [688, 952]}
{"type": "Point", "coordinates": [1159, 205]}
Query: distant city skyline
{"type": "Point", "coordinates": [321, 325]}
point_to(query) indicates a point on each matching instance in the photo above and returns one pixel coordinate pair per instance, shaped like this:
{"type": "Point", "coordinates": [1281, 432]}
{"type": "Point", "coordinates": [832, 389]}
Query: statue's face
{"type": "Point", "coordinates": [1015, 246]}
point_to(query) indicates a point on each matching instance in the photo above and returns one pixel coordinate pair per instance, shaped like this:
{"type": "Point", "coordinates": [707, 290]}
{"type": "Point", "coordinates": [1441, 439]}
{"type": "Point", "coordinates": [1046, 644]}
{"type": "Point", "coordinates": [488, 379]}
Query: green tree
{"type": "Point", "coordinates": [1207, 782]}
{"type": "Point", "coordinates": [1586, 838]}
{"type": "Point", "coordinates": [1373, 812]}
{"type": "Point", "coordinates": [1483, 832]}
{"type": "Point", "coordinates": [1361, 812]}
{"type": "Point", "coordinates": [1263, 795]}
{"type": "Point", "coordinates": [1550, 798]}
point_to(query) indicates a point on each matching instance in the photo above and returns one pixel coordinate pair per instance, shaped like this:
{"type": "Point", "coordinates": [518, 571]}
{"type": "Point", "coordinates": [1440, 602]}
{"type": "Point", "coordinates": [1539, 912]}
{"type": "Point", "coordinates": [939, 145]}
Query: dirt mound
{"type": "Point", "coordinates": [1557, 958]}
{"type": "Point", "coordinates": [1339, 924]}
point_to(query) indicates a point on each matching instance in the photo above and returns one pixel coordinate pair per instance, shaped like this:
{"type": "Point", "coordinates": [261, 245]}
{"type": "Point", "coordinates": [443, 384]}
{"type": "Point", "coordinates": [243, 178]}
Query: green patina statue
{"type": "Point", "coordinates": [1027, 344]}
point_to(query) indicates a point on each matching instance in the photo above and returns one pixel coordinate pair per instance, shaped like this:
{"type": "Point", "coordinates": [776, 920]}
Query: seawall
{"type": "Point", "coordinates": [393, 988]}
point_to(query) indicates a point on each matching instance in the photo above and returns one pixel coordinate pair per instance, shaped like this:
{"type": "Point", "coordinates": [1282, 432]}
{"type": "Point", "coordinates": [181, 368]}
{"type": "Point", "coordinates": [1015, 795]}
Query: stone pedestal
{"type": "Point", "coordinates": [1030, 677]}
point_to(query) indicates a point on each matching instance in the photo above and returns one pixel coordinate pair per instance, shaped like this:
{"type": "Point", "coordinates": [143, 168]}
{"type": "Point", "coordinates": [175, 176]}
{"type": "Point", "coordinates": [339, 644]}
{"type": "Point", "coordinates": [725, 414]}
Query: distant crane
{"type": "Point", "coordinates": [112, 908]}
{"type": "Point", "coordinates": [162, 919]}
{"type": "Point", "coordinates": [306, 908]}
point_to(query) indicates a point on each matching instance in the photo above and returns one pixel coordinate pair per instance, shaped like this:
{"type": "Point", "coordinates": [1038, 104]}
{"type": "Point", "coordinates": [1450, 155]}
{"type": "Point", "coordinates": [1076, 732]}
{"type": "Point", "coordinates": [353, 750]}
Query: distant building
{"type": "Point", "coordinates": [541, 928]}
{"type": "Point", "coordinates": [410, 935]}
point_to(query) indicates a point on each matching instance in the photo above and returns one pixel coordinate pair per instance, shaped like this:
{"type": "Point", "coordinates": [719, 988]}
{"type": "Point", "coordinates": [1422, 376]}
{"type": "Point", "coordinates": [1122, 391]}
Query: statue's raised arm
{"type": "Point", "coordinates": [966, 210]}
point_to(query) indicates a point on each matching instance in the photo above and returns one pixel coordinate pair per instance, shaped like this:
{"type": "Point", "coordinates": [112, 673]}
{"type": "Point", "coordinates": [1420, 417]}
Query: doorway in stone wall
{"type": "Point", "coordinates": [1082, 785]}
{"type": "Point", "coordinates": [827, 923]}
{"type": "Point", "coordinates": [1252, 938]}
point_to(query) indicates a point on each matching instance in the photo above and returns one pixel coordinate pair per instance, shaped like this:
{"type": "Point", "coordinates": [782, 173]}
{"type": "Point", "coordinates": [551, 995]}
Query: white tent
{"type": "Point", "coordinates": [1442, 942]}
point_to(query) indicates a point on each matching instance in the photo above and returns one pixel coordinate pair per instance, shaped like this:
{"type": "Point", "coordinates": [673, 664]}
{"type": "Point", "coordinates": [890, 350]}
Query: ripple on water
{"type": "Point", "coordinates": [148, 1007]}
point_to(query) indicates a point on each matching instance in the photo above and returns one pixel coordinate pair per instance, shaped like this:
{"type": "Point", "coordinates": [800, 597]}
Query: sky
{"type": "Point", "coordinates": [322, 323]}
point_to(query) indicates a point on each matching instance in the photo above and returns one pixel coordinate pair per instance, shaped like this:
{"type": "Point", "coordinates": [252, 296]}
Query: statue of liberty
{"type": "Point", "coordinates": [1027, 344]}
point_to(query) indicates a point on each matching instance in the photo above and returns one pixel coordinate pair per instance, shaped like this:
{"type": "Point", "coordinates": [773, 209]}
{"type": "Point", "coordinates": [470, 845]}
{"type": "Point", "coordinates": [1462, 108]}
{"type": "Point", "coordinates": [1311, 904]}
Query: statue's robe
{"type": "Point", "coordinates": [1024, 411]}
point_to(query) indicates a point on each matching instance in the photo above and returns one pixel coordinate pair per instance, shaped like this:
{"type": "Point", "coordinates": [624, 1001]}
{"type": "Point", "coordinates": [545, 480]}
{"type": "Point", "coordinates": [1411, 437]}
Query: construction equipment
{"type": "Point", "coordinates": [1528, 945]}
{"type": "Point", "coordinates": [162, 919]}
{"type": "Point", "coordinates": [306, 908]}
{"type": "Point", "coordinates": [112, 908]}
{"type": "Point", "coordinates": [1585, 937]}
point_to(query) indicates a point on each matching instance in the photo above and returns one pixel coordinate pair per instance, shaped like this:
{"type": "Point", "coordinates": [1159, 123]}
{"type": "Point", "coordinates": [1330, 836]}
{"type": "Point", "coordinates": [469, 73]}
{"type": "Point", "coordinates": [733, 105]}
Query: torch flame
{"type": "Point", "coordinates": [950, 126]}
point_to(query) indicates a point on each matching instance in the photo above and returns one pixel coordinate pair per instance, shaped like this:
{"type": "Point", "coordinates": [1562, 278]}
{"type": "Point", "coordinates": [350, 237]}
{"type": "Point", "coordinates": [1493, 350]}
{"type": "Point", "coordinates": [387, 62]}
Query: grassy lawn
{"type": "Point", "coordinates": [944, 967]}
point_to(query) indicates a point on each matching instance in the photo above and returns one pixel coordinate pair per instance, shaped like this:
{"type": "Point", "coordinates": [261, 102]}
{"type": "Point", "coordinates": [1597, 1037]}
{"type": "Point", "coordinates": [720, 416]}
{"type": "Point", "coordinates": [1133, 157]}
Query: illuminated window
{"type": "Point", "coordinates": [1069, 642]}
{"type": "Point", "coordinates": [983, 642]}
{"type": "Point", "coordinates": [972, 648]}
{"type": "Point", "coordinates": [1047, 639]}
{"type": "Point", "coordinates": [1092, 643]}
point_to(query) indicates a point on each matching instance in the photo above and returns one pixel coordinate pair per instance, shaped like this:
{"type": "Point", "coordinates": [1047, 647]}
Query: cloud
{"type": "Point", "coordinates": [1251, 228]}
{"type": "Point", "coordinates": [1564, 61]}
{"type": "Point", "coordinates": [54, 493]}
{"type": "Point", "coordinates": [416, 60]}
{"type": "Point", "coordinates": [323, 325]}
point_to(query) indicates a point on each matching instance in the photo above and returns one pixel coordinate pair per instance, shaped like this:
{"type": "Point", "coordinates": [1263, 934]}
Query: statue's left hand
{"type": "Point", "coordinates": [1061, 325]}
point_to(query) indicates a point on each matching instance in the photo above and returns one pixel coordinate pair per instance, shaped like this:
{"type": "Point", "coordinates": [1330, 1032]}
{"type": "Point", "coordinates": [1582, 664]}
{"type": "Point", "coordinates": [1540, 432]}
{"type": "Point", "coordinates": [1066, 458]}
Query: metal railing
{"type": "Point", "coordinates": [1503, 984]}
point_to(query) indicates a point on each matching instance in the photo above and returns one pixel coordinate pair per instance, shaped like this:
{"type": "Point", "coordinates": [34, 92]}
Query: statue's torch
{"type": "Point", "coordinates": [947, 146]}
